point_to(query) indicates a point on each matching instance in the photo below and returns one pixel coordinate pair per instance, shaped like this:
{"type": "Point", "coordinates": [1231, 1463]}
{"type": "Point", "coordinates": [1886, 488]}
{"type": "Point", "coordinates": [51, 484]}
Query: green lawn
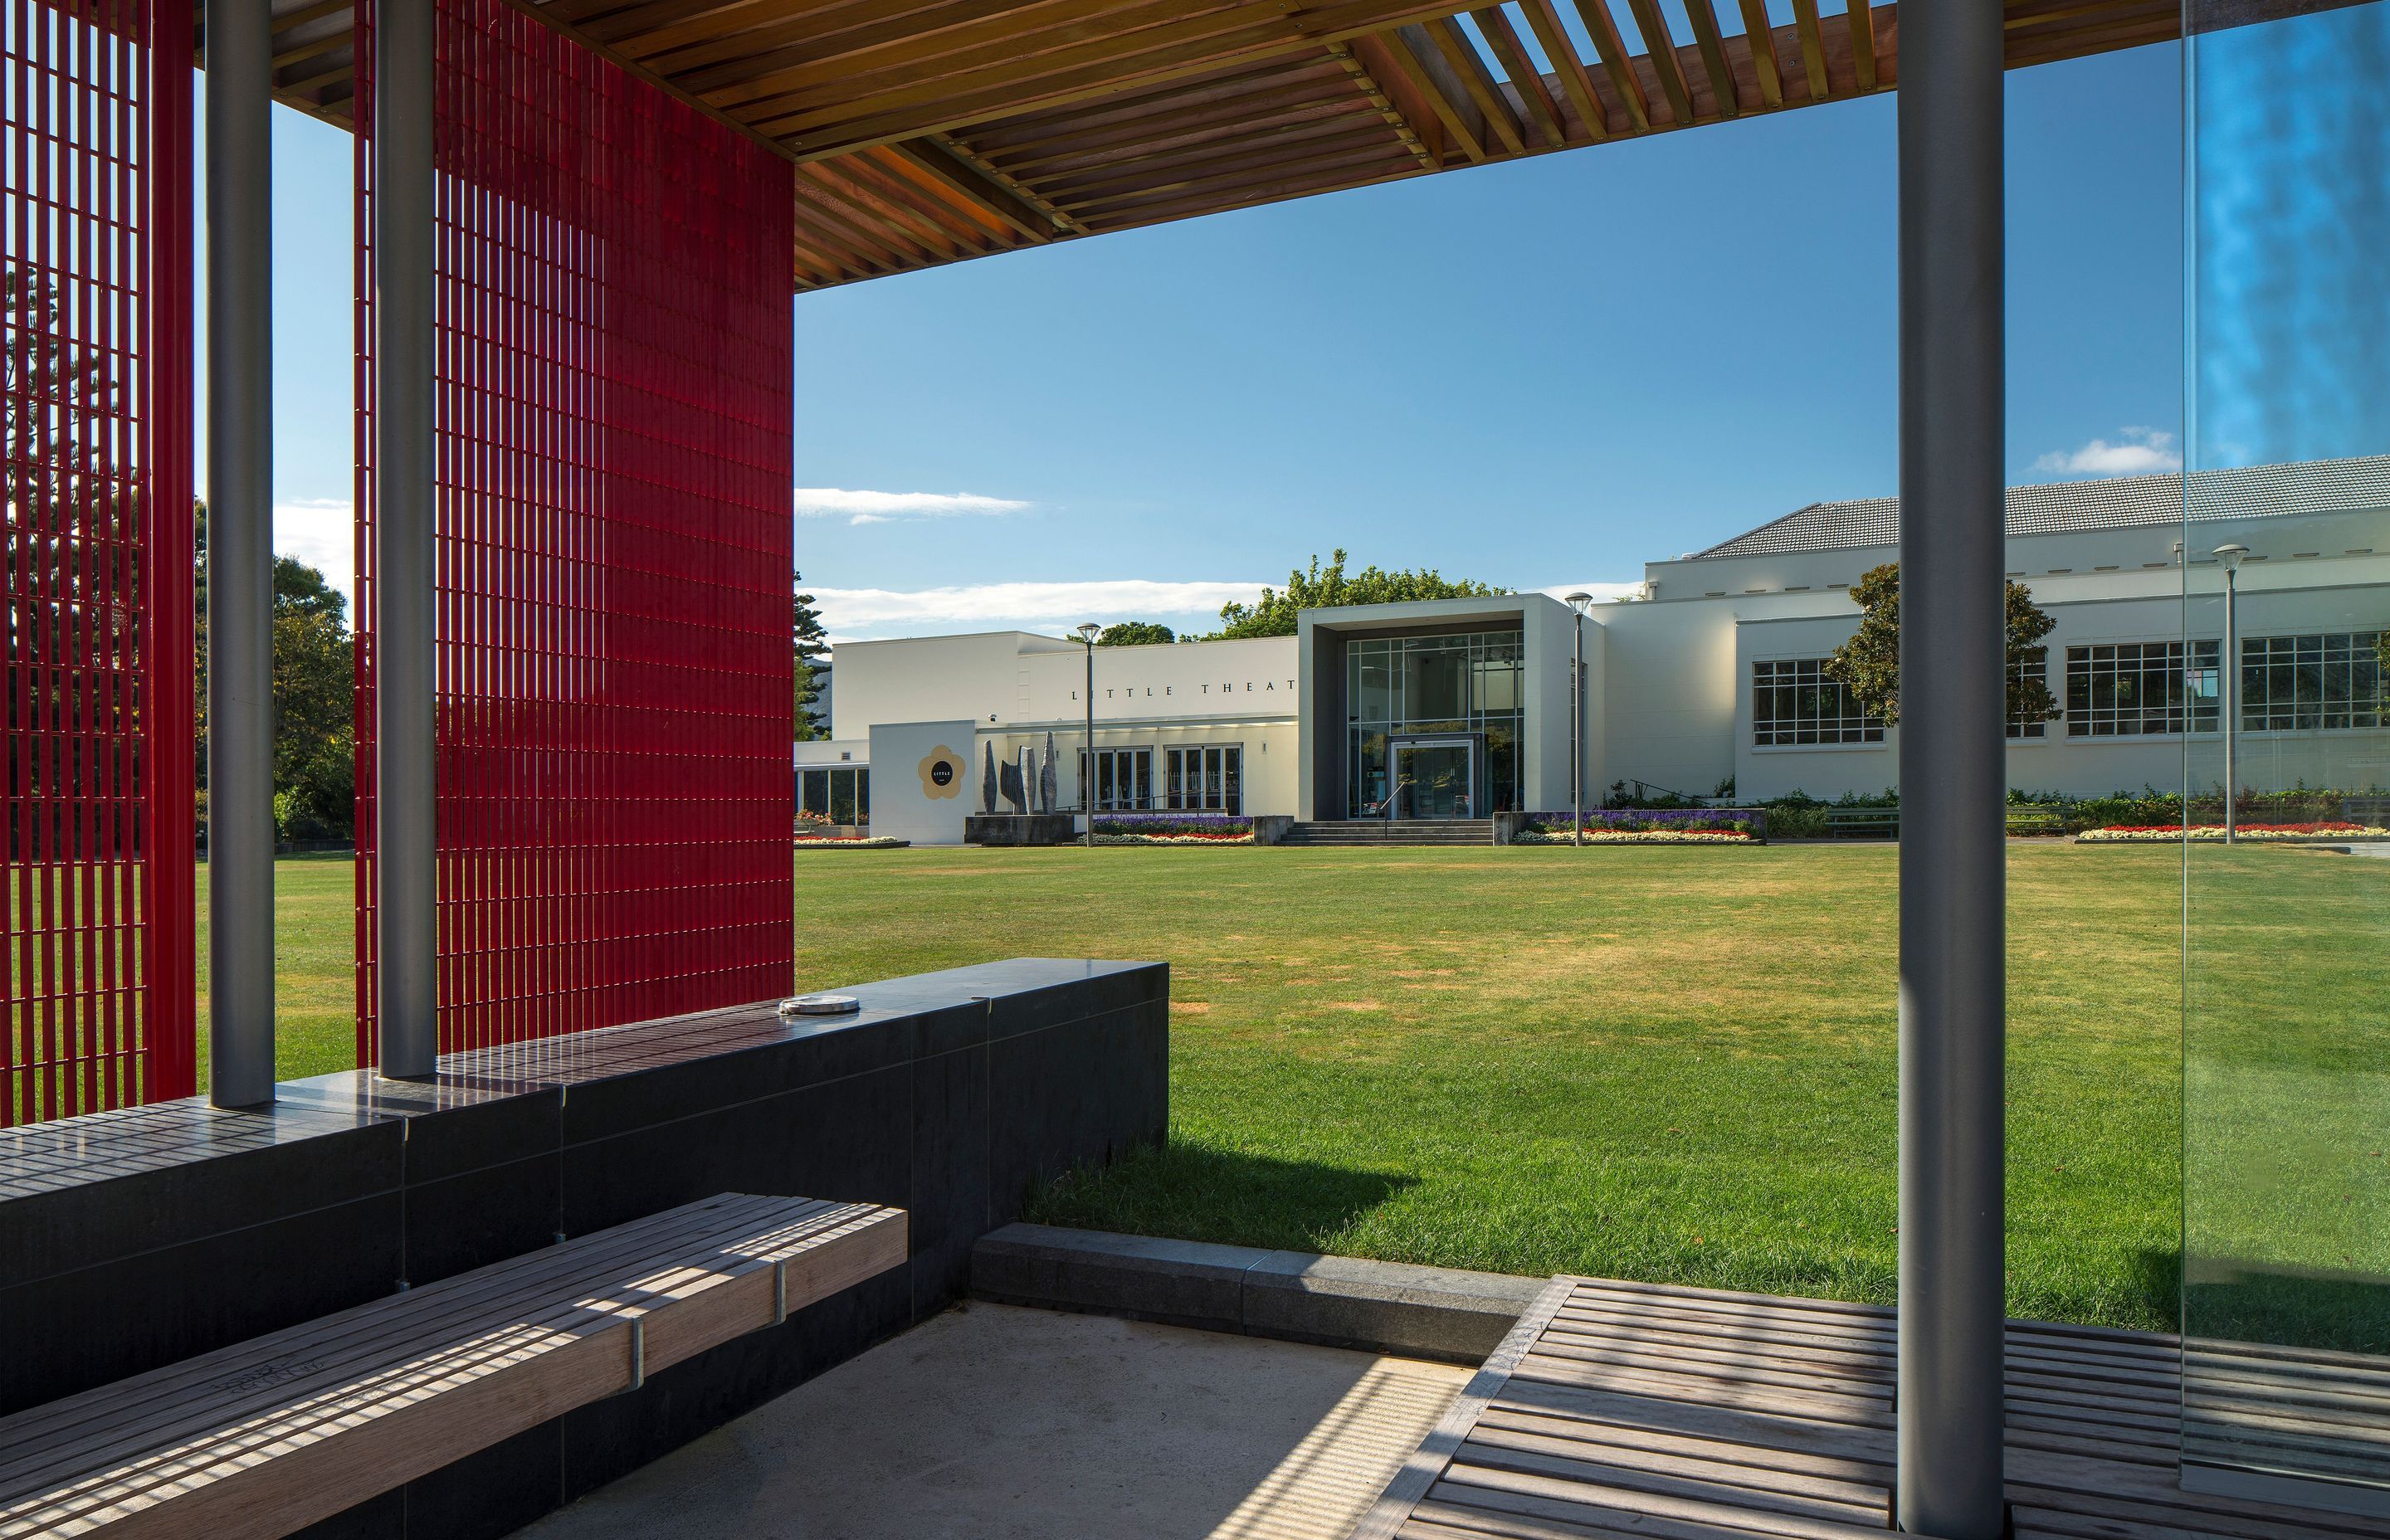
{"type": "Point", "coordinates": [1640, 1063]}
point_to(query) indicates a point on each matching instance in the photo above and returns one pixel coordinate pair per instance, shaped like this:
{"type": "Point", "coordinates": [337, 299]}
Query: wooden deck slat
{"type": "Point", "coordinates": [1669, 1413]}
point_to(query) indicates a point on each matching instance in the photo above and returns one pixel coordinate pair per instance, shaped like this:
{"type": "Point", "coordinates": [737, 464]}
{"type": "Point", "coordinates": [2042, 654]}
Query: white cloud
{"type": "Point", "coordinates": [858, 612]}
{"type": "Point", "coordinates": [322, 532]}
{"type": "Point", "coordinates": [881, 507]}
{"type": "Point", "coordinates": [2134, 452]}
{"type": "Point", "coordinates": [1602, 593]}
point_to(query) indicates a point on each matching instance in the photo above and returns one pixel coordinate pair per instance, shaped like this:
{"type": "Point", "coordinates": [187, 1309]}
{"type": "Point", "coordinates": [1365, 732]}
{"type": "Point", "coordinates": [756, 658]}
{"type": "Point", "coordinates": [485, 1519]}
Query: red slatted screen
{"type": "Point", "coordinates": [614, 563]}
{"type": "Point", "coordinates": [96, 238]}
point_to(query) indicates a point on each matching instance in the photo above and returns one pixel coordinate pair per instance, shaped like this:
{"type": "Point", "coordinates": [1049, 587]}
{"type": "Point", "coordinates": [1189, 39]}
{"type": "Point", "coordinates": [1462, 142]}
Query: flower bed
{"type": "Point", "coordinates": [1173, 829]}
{"type": "Point", "coordinates": [849, 841]}
{"type": "Point", "coordinates": [2155, 834]}
{"type": "Point", "coordinates": [1631, 826]}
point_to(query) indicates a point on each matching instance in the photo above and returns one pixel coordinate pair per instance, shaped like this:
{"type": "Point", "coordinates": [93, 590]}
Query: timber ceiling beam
{"type": "Point", "coordinates": [1477, 82]}
{"type": "Point", "coordinates": [1615, 60]}
{"type": "Point", "coordinates": [1712, 48]}
{"type": "Point", "coordinates": [1761, 36]}
{"type": "Point", "coordinates": [1421, 65]}
{"type": "Point", "coordinates": [1813, 48]}
{"type": "Point", "coordinates": [1659, 49]}
{"type": "Point", "coordinates": [1404, 120]}
{"type": "Point", "coordinates": [1494, 26]}
{"type": "Point", "coordinates": [1576, 83]}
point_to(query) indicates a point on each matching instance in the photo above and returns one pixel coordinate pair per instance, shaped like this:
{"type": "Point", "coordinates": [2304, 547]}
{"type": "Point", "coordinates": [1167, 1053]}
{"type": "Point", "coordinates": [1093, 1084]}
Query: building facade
{"type": "Point", "coordinates": [1708, 681]}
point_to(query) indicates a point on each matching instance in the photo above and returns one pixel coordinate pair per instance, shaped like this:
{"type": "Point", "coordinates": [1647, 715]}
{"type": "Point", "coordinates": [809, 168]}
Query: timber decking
{"type": "Point", "coordinates": [1685, 1414]}
{"type": "Point", "coordinates": [270, 1435]}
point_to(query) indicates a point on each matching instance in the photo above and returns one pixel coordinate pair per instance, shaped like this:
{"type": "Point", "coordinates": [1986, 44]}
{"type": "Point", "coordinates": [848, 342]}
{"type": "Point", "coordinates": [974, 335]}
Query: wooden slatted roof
{"type": "Point", "coordinates": [926, 132]}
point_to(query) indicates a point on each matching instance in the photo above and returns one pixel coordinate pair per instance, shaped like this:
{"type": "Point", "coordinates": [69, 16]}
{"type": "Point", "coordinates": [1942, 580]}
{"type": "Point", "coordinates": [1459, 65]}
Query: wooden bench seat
{"type": "Point", "coordinates": [267, 1436]}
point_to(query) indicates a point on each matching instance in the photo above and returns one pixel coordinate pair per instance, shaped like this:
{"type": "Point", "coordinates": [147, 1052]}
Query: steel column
{"type": "Point", "coordinates": [405, 871]}
{"type": "Point", "coordinates": [2229, 667]}
{"type": "Point", "coordinates": [1953, 772]}
{"type": "Point", "coordinates": [240, 552]}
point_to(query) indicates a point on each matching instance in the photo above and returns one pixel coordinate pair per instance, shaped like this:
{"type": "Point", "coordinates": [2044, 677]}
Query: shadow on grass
{"type": "Point", "coordinates": [1192, 1192]}
{"type": "Point", "coordinates": [2254, 1302]}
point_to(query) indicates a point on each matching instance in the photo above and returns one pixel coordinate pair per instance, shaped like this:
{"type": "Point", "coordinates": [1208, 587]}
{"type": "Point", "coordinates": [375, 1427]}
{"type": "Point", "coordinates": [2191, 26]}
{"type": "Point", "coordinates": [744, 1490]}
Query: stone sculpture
{"type": "Point", "coordinates": [1049, 787]}
{"type": "Point", "coordinates": [1013, 791]}
{"type": "Point", "coordinates": [987, 782]}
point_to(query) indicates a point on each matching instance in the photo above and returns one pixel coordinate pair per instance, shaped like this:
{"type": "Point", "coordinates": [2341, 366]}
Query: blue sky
{"type": "Point", "coordinates": [1538, 374]}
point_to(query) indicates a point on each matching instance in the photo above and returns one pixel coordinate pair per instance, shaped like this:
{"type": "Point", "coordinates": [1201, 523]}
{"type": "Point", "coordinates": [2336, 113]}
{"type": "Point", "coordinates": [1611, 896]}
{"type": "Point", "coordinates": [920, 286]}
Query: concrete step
{"type": "Point", "coordinates": [1340, 1302]}
{"type": "Point", "coordinates": [1400, 831]}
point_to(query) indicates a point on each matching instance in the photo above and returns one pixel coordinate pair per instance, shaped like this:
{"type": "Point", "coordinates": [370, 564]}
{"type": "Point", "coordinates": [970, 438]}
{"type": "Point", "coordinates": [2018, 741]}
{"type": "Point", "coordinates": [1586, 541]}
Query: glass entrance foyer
{"type": "Point", "coordinates": [1433, 724]}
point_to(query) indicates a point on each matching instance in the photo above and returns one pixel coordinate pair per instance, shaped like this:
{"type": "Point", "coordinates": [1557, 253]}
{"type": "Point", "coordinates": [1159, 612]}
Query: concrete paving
{"type": "Point", "coordinates": [1003, 1423]}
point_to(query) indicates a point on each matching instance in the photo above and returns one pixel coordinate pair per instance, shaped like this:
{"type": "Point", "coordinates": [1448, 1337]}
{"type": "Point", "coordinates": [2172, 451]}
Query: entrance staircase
{"type": "Point", "coordinates": [1398, 832]}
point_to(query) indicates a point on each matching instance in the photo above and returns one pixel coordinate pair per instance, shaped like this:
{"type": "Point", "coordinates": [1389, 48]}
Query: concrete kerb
{"type": "Point", "coordinates": [1437, 1313]}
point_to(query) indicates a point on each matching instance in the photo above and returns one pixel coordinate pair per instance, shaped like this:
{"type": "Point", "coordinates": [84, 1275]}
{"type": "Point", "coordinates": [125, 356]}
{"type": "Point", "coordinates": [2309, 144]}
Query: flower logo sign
{"type": "Point", "coordinates": [942, 773]}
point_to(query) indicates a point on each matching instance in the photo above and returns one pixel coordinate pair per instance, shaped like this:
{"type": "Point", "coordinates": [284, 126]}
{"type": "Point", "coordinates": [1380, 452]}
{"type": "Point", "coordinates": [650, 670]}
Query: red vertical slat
{"type": "Point", "coordinates": [614, 464]}
{"type": "Point", "coordinates": [97, 235]}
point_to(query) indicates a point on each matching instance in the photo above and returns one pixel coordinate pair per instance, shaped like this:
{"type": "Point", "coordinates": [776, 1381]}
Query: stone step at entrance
{"type": "Point", "coordinates": [1398, 832]}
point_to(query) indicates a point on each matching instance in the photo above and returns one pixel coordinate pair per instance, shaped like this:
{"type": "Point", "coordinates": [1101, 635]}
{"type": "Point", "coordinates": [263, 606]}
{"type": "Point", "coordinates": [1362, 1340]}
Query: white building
{"type": "Point", "coordinates": [1461, 707]}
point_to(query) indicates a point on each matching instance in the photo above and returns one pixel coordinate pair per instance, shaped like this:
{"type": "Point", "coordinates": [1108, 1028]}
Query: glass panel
{"type": "Point", "coordinates": [841, 796]}
{"type": "Point", "coordinates": [1404, 685]}
{"type": "Point", "coordinates": [1435, 780]}
{"type": "Point", "coordinates": [813, 791]}
{"type": "Point", "coordinates": [1233, 798]}
{"type": "Point", "coordinates": [863, 796]}
{"type": "Point", "coordinates": [2286, 1038]}
{"type": "Point", "coordinates": [1435, 685]}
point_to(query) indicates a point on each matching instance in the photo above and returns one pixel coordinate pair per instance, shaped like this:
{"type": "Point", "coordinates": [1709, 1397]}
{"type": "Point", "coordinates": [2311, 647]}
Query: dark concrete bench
{"type": "Point", "coordinates": [267, 1436]}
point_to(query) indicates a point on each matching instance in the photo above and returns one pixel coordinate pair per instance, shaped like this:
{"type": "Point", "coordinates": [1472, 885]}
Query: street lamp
{"type": "Point", "coordinates": [1578, 601]}
{"type": "Point", "coordinates": [2229, 667]}
{"type": "Point", "coordinates": [1087, 634]}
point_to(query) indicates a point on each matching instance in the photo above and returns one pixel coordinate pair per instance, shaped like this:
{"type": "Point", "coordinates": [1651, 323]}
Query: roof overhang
{"type": "Point", "coordinates": [926, 132]}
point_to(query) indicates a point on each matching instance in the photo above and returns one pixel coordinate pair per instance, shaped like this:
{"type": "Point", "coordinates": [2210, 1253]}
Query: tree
{"type": "Point", "coordinates": [1869, 662]}
{"type": "Point", "coordinates": [1274, 613]}
{"type": "Point", "coordinates": [813, 668]}
{"type": "Point", "coordinates": [1136, 633]}
{"type": "Point", "coordinates": [314, 700]}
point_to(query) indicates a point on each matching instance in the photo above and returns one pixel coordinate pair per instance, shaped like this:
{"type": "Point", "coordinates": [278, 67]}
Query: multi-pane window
{"type": "Point", "coordinates": [2329, 680]}
{"type": "Point", "coordinates": [2031, 668]}
{"type": "Point", "coordinates": [1792, 703]}
{"type": "Point", "coordinates": [1204, 778]}
{"type": "Point", "coordinates": [2135, 689]}
{"type": "Point", "coordinates": [840, 793]}
{"type": "Point", "coordinates": [1124, 779]}
{"type": "Point", "coordinates": [1465, 685]}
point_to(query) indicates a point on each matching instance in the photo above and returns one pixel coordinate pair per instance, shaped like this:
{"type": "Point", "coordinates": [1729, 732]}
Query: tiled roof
{"type": "Point", "coordinates": [2064, 507]}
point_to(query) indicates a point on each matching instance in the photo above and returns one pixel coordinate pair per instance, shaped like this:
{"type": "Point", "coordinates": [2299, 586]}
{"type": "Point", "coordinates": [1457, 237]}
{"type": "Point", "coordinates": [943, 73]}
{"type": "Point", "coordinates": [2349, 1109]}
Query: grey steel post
{"type": "Point", "coordinates": [2229, 666]}
{"type": "Point", "coordinates": [405, 883]}
{"type": "Point", "coordinates": [1087, 634]}
{"type": "Point", "coordinates": [240, 552]}
{"type": "Point", "coordinates": [1953, 773]}
{"type": "Point", "coordinates": [1576, 724]}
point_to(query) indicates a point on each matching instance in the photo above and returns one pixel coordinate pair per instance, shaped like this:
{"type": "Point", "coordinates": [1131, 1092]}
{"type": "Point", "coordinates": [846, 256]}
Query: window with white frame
{"type": "Point", "coordinates": [2034, 666]}
{"type": "Point", "coordinates": [2140, 689]}
{"type": "Point", "coordinates": [1124, 779]}
{"type": "Point", "coordinates": [1204, 778]}
{"type": "Point", "coordinates": [1792, 703]}
{"type": "Point", "coordinates": [2331, 680]}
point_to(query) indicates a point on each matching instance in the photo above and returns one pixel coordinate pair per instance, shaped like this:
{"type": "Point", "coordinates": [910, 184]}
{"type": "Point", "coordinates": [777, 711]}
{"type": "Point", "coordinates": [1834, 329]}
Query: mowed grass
{"type": "Point", "coordinates": [1655, 1063]}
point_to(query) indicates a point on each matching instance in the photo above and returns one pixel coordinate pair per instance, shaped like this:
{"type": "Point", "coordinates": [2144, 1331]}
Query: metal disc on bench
{"type": "Point", "coordinates": [820, 1005]}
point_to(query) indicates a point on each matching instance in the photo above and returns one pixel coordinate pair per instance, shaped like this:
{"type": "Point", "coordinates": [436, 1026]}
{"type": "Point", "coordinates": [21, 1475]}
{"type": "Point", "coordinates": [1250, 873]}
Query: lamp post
{"type": "Point", "coordinates": [2229, 668]}
{"type": "Point", "coordinates": [1087, 634]}
{"type": "Point", "coordinates": [1578, 601]}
